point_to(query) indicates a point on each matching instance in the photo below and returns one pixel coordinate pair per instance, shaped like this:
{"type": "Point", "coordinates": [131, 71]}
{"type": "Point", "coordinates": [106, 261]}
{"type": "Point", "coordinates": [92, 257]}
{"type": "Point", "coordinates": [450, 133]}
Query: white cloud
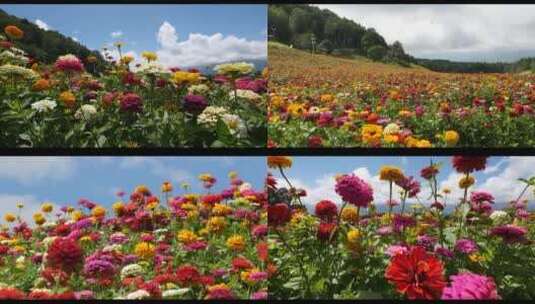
{"type": "Point", "coordinates": [27, 170]}
{"type": "Point", "coordinates": [42, 25]}
{"type": "Point", "coordinates": [75, 39]}
{"type": "Point", "coordinates": [157, 167]}
{"type": "Point", "coordinates": [116, 34]}
{"type": "Point", "coordinates": [465, 32]}
{"type": "Point", "coordinates": [200, 49]}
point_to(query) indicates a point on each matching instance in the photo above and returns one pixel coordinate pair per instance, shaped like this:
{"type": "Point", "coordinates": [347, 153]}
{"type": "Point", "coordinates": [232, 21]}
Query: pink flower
{"type": "Point", "coordinates": [354, 190]}
{"type": "Point", "coordinates": [394, 250]}
{"type": "Point", "coordinates": [510, 233]}
{"type": "Point", "coordinates": [465, 246]}
{"type": "Point", "coordinates": [69, 63]}
{"type": "Point", "coordinates": [470, 286]}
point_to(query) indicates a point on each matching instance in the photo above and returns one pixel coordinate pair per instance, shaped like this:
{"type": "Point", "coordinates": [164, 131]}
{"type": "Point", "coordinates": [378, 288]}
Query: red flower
{"type": "Point", "coordinates": [188, 275]}
{"type": "Point", "coordinates": [278, 214]}
{"type": "Point", "coordinates": [325, 230]}
{"type": "Point", "coordinates": [428, 172]}
{"type": "Point", "coordinates": [314, 141]}
{"type": "Point", "coordinates": [64, 253]}
{"type": "Point", "coordinates": [326, 210]}
{"type": "Point", "coordinates": [241, 263]}
{"type": "Point", "coordinates": [468, 164]}
{"type": "Point", "coordinates": [11, 294]}
{"type": "Point", "coordinates": [211, 199]}
{"type": "Point", "coordinates": [416, 274]}
{"type": "Point", "coordinates": [262, 251]}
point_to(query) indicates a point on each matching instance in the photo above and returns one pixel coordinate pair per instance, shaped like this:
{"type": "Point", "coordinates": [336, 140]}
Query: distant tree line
{"type": "Point", "coordinates": [47, 46]}
{"type": "Point", "coordinates": [310, 28]}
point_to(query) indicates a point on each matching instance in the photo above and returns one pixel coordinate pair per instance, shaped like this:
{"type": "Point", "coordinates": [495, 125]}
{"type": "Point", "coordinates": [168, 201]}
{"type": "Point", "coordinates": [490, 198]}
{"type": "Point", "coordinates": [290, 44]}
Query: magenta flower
{"type": "Point", "coordinates": [131, 102]}
{"type": "Point", "coordinates": [510, 233]}
{"type": "Point", "coordinates": [69, 63]}
{"type": "Point", "coordinates": [466, 246]}
{"type": "Point", "coordinates": [409, 184]}
{"type": "Point", "coordinates": [194, 104]}
{"type": "Point", "coordinates": [354, 190]}
{"type": "Point", "coordinates": [470, 286]}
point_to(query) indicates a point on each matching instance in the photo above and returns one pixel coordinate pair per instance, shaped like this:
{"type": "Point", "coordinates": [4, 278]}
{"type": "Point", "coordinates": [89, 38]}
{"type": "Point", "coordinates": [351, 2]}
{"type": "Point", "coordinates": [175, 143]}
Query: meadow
{"type": "Point", "coordinates": [167, 244]}
{"type": "Point", "coordinates": [351, 250]}
{"type": "Point", "coordinates": [71, 103]}
{"type": "Point", "coordinates": [319, 100]}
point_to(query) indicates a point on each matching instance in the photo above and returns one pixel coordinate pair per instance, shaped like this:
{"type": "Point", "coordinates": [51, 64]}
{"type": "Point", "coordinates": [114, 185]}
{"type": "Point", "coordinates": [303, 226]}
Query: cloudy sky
{"type": "Point", "coordinates": [64, 180]}
{"type": "Point", "coordinates": [316, 176]}
{"type": "Point", "coordinates": [456, 32]}
{"type": "Point", "coordinates": [182, 35]}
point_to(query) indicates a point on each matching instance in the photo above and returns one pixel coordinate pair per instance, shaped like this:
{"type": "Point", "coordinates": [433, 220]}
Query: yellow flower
{"type": "Point", "coordinates": [353, 235]}
{"type": "Point", "coordinates": [326, 98]}
{"type": "Point", "coordinates": [236, 242]}
{"type": "Point", "coordinates": [390, 173]}
{"type": "Point", "coordinates": [152, 205]}
{"type": "Point", "coordinates": [118, 208]}
{"type": "Point", "coordinates": [20, 205]}
{"type": "Point", "coordinates": [216, 224]}
{"type": "Point", "coordinates": [296, 109]}
{"type": "Point", "coordinates": [86, 240]}
{"type": "Point", "coordinates": [451, 138]}
{"type": "Point", "coordinates": [371, 133]}
{"type": "Point", "coordinates": [349, 214]}
{"type": "Point", "coordinates": [144, 250]}
{"type": "Point", "coordinates": [186, 236]}
{"type": "Point", "coordinates": [232, 174]}
{"type": "Point", "coordinates": [391, 138]}
{"type": "Point", "coordinates": [67, 98]}
{"type": "Point", "coordinates": [446, 190]}
{"type": "Point", "coordinates": [476, 257]}
{"type": "Point", "coordinates": [424, 143]}
{"type": "Point", "coordinates": [183, 77]}
{"type": "Point", "coordinates": [127, 59]}
{"type": "Point", "coordinates": [142, 189]}
{"type": "Point", "coordinates": [47, 207]}
{"type": "Point", "coordinates": [275, 162]}
{"type": "Point", "coordinates": [194, 214]}
{"type": "Point", "coordinates": [466, 182]}
{"type": "Point", "coordinates": [167, 187]}
{"type": "Point", "coordinates": [221, 210]}
{"type": "Point", "coordinates": [39, 219]}
{"type": "Point", "coordinates": [10, 217]}
{"type": "Point", "coordinates": [234, 69]}
{"type": "Point", "coordinates": [76, 215]}
{"type": "Point", "coordinates": [206, 177]}
{"type": "Point", "coordinates": [98, 212]}
{"type": "Point", "coordinates": [411, 142]}
{"type": "Point", "coordinates": [150, 56]}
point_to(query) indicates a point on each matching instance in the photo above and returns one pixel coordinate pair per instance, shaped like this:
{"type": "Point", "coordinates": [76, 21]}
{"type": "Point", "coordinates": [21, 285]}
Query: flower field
{"type": "Point", "coordinates": [171, 246]}
{"type": "Point", "coordinates": [319, 100]}
{"type": "Point", "coordinates": [72, 104]}
{"type": "Point", "coordinates": [355, 251]}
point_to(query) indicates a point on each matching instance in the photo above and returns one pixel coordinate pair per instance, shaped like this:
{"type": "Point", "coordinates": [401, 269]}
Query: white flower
{"type": "Point", "coordinates": [112, 248]}
{"type": "Point", "coordinates": [244, 187]}
{"type": "Point", "coordinates": [172, 293]}
{"type": "Point", "coordinates": [209, 117]}
{"type": "Point", "coordinates": [152, 68]}
{"type": "Point", "coordinates": [391, 129]}
{"type": "Point", "coordinates": [235, 125]}
{"type": "Point", "coordinates": [48, 240]}
{"type": "Point", "coordinates": [44, 105]}
{"type": "Point", "coordinates": [199, 89]}
{"type": "Point", "coordinates": [233, 69]}
{"type": "Point", "coordinates": [49, 225]}
{"type": "Point", "coordinates": [138, 295]}
{"type": "Point", "coordinates": [86, 112]}
{"type": "Point", "coordinates": [131, 270]}
{"type": "Point", "coordinates": [246, 94]}
{"type": "Point", "coordinates": [497, 214]}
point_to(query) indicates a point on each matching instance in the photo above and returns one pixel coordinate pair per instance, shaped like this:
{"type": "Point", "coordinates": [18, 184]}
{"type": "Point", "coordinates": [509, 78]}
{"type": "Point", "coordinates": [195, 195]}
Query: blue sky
{"type": "Point", "coordinates": [316, 175]}
{"type": "Point", "coordinates": [64, 180]}
{"type": "Point", "coordinates": [140, 26]}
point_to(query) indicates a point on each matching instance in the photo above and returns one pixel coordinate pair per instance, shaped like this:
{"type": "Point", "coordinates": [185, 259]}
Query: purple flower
{"type": "Point", "coordinates": [444, 252]}
{"type": "Point", "coordinates": [194, 104]}
{"type": "Point", "coordinates": [426, 241]}
{"type": "Point", "coordinates": [479, 197]}
{"type": "Point", "coordinates": [118, 238]}
{"type": "Point", "coordinates": [400, 222]}
{"type": "Point", "coordinates": [83, 223]}
{"type": "Point", "coordinates": [354, 190]}
{"type": "Point", "coordinates": [409, 184]}
{"type": "Point", "coordinates": [98, 268]}
{"type": "Point", "coordinates": [470, 286]}
{"type": "Point", "coordinates": [466, 246]}
{"type": "Point", "coordinates": [510, 233]}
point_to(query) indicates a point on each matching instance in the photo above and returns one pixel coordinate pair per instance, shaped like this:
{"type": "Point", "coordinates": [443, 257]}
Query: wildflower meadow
{"type": "Point", "coordinates": [72, 103]}
{"type": "Point", "coordinates": [166, 244]}
{"type": "Point", "coordinates": [356, 250]}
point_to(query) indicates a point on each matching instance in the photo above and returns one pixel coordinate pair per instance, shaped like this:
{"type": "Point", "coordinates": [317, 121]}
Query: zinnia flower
{"type": "Point", "coordinates": [469, 164]}
{"type": "Point", "coordinates": [391, 173]}
{"type": "Point", "coordinates": [278, 214]}
{"type": "Point", "coordinates": [64, 253]}
{"type": "Point", "coordinates": [279, 161]}
{"type": "Point", "coordinates": [354, 190]}
{"type": "Point", "coordinates": [465, 246]}
{"type": "Point", "coordinates": [416, 274]}
{"type": "Point", "coordinates": [131, 102]}
{"type": "Point", "coordinates": [326, 210]}
{"type": "Point", "coordinates": [470, 286]}
{"type": "Point", "coordinates": [325, 230]}
{"type": "Point", "coordinates": [510, 233]}
{"type": "Point", "coordinates": [69, 63]}
{"type": "Point", "coordinates": [194, 104]}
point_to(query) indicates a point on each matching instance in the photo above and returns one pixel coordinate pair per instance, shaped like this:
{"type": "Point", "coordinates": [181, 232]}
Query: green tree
{"type": "Point", "coordinates": [325, 46]}
{"type": "Point", "coordinates": [299, 21]}
{"type": "Point", "coordinates": [376, 52]}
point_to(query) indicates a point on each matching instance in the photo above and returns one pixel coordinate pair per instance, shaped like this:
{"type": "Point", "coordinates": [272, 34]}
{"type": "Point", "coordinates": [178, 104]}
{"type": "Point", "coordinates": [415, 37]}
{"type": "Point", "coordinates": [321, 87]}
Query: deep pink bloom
{"type": "Point", "coordinates": [326, 210]}
{"type": "Point", "coordinates": [131, 102]}
{"type": "Point", "coordinates": [69, 63]}
{"type": "Point", "coordinates": [194, 104]}
{"type": "Point", "coordinates": [466, 246]}
{"type": "Point", "coordinates": [354, 190]}
{"type": "Point", "coordinates": [469, 164]}
{"type": "Point", "coordinates": [510, 233]}
{"type": "Point", "coordinates": [470, 286]}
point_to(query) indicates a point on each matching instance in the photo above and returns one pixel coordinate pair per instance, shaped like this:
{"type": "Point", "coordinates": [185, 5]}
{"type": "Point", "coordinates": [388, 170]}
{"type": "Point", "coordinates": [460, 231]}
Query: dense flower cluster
{"type": "Point", "coordinates": [188, 246]}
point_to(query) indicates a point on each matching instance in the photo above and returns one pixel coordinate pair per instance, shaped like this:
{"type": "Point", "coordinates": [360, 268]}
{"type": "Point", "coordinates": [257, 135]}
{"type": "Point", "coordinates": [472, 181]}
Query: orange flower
{"type": "Point", "coordinates": [279, 161]}
{"type": "Point", "coordinates": [68, 99]}
{"type": "Point", "coordinates": [41, 85]}
{"type": "Point", "coordinates": [13, 32]}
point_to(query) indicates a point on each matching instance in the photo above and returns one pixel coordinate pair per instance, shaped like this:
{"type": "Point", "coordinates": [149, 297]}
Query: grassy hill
{"type": "Point", "coordinates": [290, 64]}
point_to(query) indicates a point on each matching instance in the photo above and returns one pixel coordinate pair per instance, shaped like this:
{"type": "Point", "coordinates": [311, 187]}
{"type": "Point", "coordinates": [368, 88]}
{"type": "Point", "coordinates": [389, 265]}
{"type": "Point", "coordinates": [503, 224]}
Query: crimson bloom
{"type": "Point", "coordinates": [64, 253]}
{"type": "Point", "coordinates": [354, 190]}
{"type": "Point", "coordinates": [416, 274]}
{"type": "Point", "coordinates": [325, 230]}
{"type": "Point", "coordinates": [131, 102]}
{"type": "Point", "coordinates": [510, 233]}
{"type": "Point", "coordinates": [278, 214]}
{"type": "Point", "coordinates": [326, 210]}
{"type": "Point", "coordinates": [469, 164]}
